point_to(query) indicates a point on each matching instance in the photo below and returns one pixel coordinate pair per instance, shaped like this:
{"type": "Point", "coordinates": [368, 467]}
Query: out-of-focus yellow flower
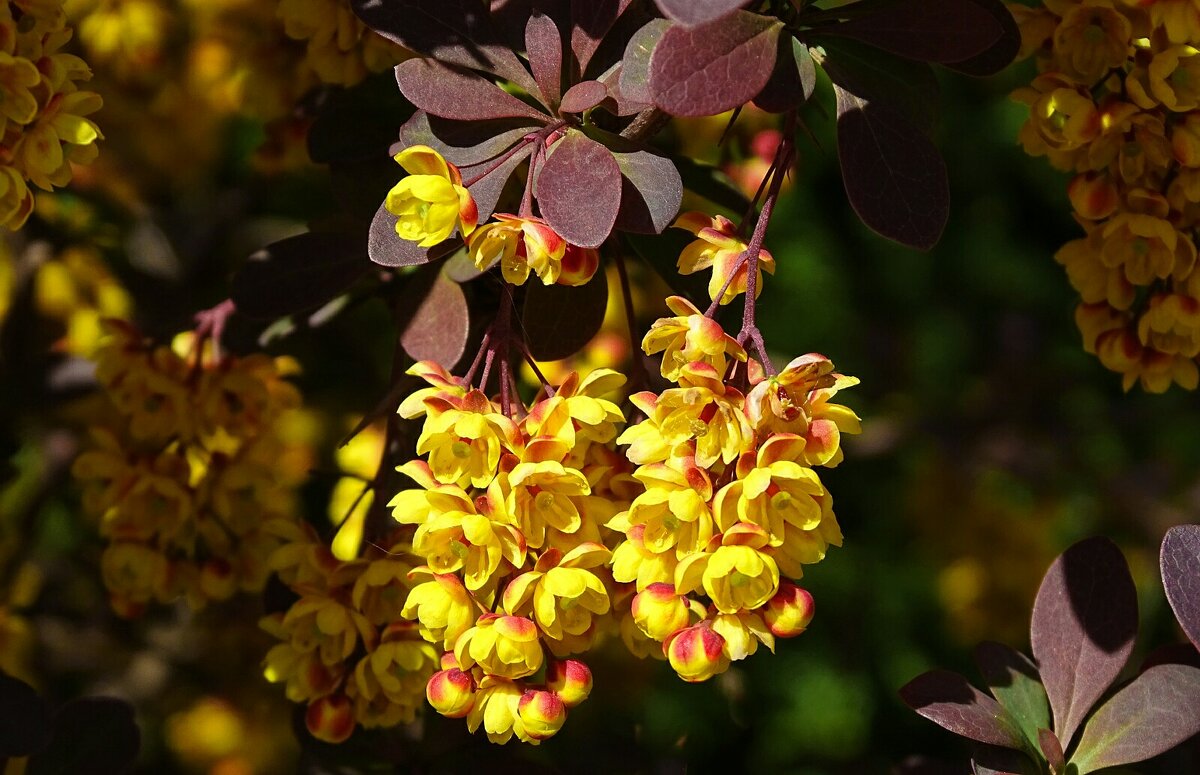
{"type": "Point", "coordinates": [1092, 38]}
{"type": "Point", "coordinates": [430, 203]}
{"type": "Point", "coordinates": [718, 247]}
{"type": "Point", "coordinates": [339, 47]}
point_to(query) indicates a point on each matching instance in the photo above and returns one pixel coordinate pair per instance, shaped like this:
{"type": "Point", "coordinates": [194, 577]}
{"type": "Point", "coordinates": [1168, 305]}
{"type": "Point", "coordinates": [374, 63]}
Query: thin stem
{"type": "Point", "coordinates": [524, 141]}
{"type": "Point", "coordinates": [538, 372]}
{"type": "Point", "coordinates": [646, 124]}
{"type": "Point", "coordinates": [535, 160]}
{"type": "Point", "coordinates": [483, 349]}
{"type": "Point", "coordinates": [638, 376]}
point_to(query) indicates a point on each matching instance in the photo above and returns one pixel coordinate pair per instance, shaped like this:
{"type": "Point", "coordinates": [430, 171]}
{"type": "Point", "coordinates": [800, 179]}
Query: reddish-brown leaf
{"type": "Point", "coordinates": [1156, 712]}
{"type": "Point", "coordinates": [950, 701]}
{"type": "Point", "coordinates": [450, 92]}
{"type": "Point", "coordinates": [579, 190]}
{"type": "Point", "coordinates": [635, 65]}
{"type": "Point", "coordinates": [559, 320]}
{"type": "Point", "coordinates": [1001, 53]}
{"type": "Point", "coordinates": [651, 192]}
{"type": "Point", "coordinates": [908, 87]}
{"type": "Point", "coordinates": [590, 22]}
{"type": "Point", "coordinates": [440, 321]}
{"type": "Point", "coordinates": [456, 32]}
{"type": "Point", "coordinates": [486, 190]}
{"type": "Point", "coordinates": [1179, 562]}
{"type": "Point", "coordinates": [926, 30]}
{"type": "Point", "coordinates": [462, 142]}
{"type": "Point", "coordinates": [792, 80]}
{"type": "Point", "coordinates": [1014, 682]}
{"type": "Point", "coordinates": [894, 176]}
{"type": "Point", "coordinates": [583, 96]}
{"type": "Point", "coordinates": [298, 273]}
{"type": "Point", "coordinates": [1083, 628]}
{"type": "Point", "coordinates": [692, 13]}
{"type": "Point", "coordinates": [543, 43]}
{"type": "Point", "coordinates": [701, 71]}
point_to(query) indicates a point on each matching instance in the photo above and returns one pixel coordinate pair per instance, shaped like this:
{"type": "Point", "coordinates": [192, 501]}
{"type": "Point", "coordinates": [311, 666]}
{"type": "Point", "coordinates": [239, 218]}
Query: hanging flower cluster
{"type": "Point", "coordinates": [1116, 102]}
{"type": "Point", "coordinates": [509, 523]}
{"type": "Point", "coordinates": [345, 650]}
{"type": "Point", "coordinates": [42, 109]}
{"type": "Point", "coordinates": [732, 507]}
{"type": "Point", "coordinates": [187, 470]}
{"type": "Point", "coordinates": [338, 46]}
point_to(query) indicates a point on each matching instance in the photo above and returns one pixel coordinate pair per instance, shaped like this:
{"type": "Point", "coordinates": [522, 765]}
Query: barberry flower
{"type": "Point", "coordinates": [330, 719]}
{"type": "Point", "coordinates": [542, 714]}
{"type": "Point", "coordinates": [660, 611]}
{"type": "Point", "coordinates": [697, 653]}
{"type": "Point", "coordinates": [451, 692]}
{"type": "Point", "coordinates": [689, 337]}
{"type": "Point", "coordinates": [790, 611]}
{"type": "Point", "coordinates": [718, 247]}
{"type": "Point", "coordinates": [504, 646]}
{"type": "Point", "coordinates": [521, 245]}
{"type": "Point", "coordinates": [570, 679]}
{"type": "Point", "coordinates": [442, 606]}
{"type": "Point", "coordinates": [431, 203]}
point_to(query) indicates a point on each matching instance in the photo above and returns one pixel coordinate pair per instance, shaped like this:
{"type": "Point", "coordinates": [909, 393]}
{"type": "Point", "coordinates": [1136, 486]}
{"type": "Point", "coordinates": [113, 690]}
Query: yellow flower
{"type": "Point", "coordinates": [451, 692]}
{"type": "Point", "coordinates": [133, 572]}
{"type": "Point", "coordinates": [541, 498]}
{"type": "Point", "coordinates": [1146, 247]}
{"type": "Point", "coordinates": [16, 200]}
{"type": "Point", "coordinates": [40, 152]}
{"type": "Point", "coordinates": [464, 444]}
{"type": "Point", "coordinates": [789, 612]}
{"type": "Point", "coordinates": [330, 628]}
{"type": "Point", "coordinates": [718, 247]}
{"type": "Point", "coordinates": [1179, 18]}
{"type": "Point", "coordinates": [1089, 276]}
{"type": "Point", "coordinates": [503, 646]}
{"type": "Point", "coordinates": [1092, 38]}
{"type": "Point", "coordinates": [340, 48]}
{"type": "Point", "coordinates": [737, 577]}
{"type": "Point", "coordinates": [674, 509]}
{"type": "Point", "coordinates": [443, 607]}
{"type": "Point", "coordinates": [633, 561]}
{"type": "Point", "coordinates": [542, 714]}
{"type": "Point", "coordinates": [660, 611]}
{"type": "Point", "coordinates": [1171, 324]}
{"type": "Point", "coordinates": [697, 653]}
{"type": "Point", "coordinates": [497, 708]}
{"type": "Point", "coordinates": [1174, 77]}
{"type": "Point", "coordinates": [1062, 117]}
{"type": "Point", "coordinates": [772, 490]}
{"type": "Point", "coordinates": [393, 676]}
{"type": "Point", "coordinates": [563, 596]}
{"type": "Point", "coordinates": [431, 202]}
{"type": "Point", "coordinates": [524, 245]}
{"type": "Point", "coordinates": [690, 337]}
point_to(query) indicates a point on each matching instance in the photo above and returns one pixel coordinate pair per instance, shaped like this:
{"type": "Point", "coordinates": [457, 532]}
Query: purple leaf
{"type": "Point", "coordinates": [616, 102]}
{"type": "Point", "coordinates": [908, 87]}
{"type": "Point", "coordinates": [456, 32]}
{"type": "Point", "coordinates": [894, 176]}
{"type": "Point", "coordinates": [950, 701]}
{"type": "Point", "coordinates": [486, 190]}
{"type": "Point", "coordinates": [1172, 654]}
{"type": "Point", "coordinates": [462, 143]}
{"type": "Point", "coordinates": [1156, 712]}
{"type": "Point", "coordinates": [543, 43]}
{"type": "Point", "coordinates": [583, 96]}
{"type": "Point", "coordinates": [386, 248]}
{"type": "Point", "coordinates": [440, 321]}
{"type": "Point", "coordinates": [792, 80]}
{"type": "Point", "coordinates": [26, 726]}
{"type": "Point", "coordinates": [560, 319]}
{"type": "Point", "coordinates": [453, 93]}
{"type": "Point", "coordinates": [298, 273]}
{"type": "Point", "coordinates": [1015, 684]}
{"type": "Point", "coordinates": [692, 13]}
{"type": "Point", "coordinates": [1001, 53]}
{"type": "Point", "coordinates": [1052, 749]}
{"type": "Point", "coordinates": [91, 735]}
{"type": "Point", "coordinates": [579, 190]}
{"type": "Point", "coordinates": [651, 192]}
{"type": "Point", "coordinates": [706, 70]}
{"type": "Point", "coordinates": [590, 22]}
{"type": "Point", "coordinates": [993, 760]}
{"type": "Point", "coordinates": [1083, 628]}
{"type": "Point", "coordinates": [1179, 561]}
{"type": "Point", "coordinates": [635, 65]}
{"type": "Point", "coordinates": [926, 30]}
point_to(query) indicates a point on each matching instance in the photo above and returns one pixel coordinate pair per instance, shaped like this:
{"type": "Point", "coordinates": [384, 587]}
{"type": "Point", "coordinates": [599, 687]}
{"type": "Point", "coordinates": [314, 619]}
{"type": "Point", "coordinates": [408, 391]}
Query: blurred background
{"type": "Point", "coordinates": [991, 443]}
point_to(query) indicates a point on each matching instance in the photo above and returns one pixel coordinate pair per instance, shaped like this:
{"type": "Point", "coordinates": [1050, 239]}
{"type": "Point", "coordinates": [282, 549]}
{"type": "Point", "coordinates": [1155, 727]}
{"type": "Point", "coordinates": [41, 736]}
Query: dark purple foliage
{"type": "Point", "coordinates": [635, 65]}
{"type": "Point", "coordinates": [691, 13]}
{"type": "Point", "coordinates": [792, 80]}
{"type": "Point", "coordinates": [701, 71]}
{"type": "Point", "coordinates": [26, 718]}
{"type": "Point", "coordinates": [440, 319]}
{"type": "Point", "coordinates": [894, 176]}
{"type": "Point", "coordinates": [543, 43]}
{"type": "Point", "coordinates": [1014, 682]}
{"type": "Point", "coordinates": [298, 273]}
{"type": "Point", "coordinates": [559, 320]}
{"type": "Point", "coordinates": [926, 30]}
{"type": "Point", "coordinates": [1083, 628]}
{"type": "Point", "coordinates": [91, 735]}
{"type": "Point", "coordinates": [590, 22]}
{"type": "Point", "coordinates": [486, 191]}
{"type": "Point", "coordinates": [583, 96]}
{"type": "Point", "coordinates": [950, 701]}
{"type": "Point", "coordinates": [385, 247]}
{"type": "Point", "coordinates": [910, 88]}
{"type": "Point", "coordinates": [1001, 53]}
{"type": "Point", "coordinates": [462, 143]}
{"type": "Point", "coordinates": [651, 192]}
{"type": "Point", "coordinates": [454, 93]}
{"type": "Point", "coordinates": [1179, 562]}
{"type": "Point", "coordinates": [1156, 712]}
{"type": "Point", "coordinates": [579, 190]}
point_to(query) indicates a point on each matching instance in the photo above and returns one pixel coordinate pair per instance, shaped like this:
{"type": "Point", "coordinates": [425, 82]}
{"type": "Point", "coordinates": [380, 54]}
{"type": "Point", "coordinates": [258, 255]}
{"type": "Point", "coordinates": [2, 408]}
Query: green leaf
{"type": "Point", "coordinates": [1015, 684]}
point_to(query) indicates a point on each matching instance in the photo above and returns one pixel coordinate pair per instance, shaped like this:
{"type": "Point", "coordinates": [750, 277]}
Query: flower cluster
{"type": "Point", "coordinates": [188, 469]}
{"type": "Point", "coordinates": [1116, 102]}
{"type": "Point", "coordinates": [345, 650]}
{"type": "Point", "coordinates": [42, 109]}
{"type": "Point", "coordinates": [338, 46]}
{"type": "Point", "coordinates": [509, 519]}
{"type": "Point", "coordinates": [732, 506]}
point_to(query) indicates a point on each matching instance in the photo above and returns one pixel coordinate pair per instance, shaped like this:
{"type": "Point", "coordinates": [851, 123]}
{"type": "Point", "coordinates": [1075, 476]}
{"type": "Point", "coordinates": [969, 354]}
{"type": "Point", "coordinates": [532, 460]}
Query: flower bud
{"type": "Point", "coordinates": [451, 692]}
{"type": "Point", "coordinates": [330, 719]}
{"type": "Point", "coordinates": [542, 713]}
{"type": "Point", "coordinates": [1094, 196]}
{"type": "Point", "coordinates": [788, 613]}
{"type": "Point", "coordinates": [659, 611]}
{"type": "Point", "coordinates": [217, 579]}
{"type": "Point", "coordinates": [571, 680]}
{"type": "Point", "coordinates": [697, 653]}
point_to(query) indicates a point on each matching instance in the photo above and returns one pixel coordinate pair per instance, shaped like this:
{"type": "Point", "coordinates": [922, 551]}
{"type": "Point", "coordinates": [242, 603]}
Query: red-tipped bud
{"type": "Point", "coordinates": [571, 680]}
{"type": "Point", "coordinates": [1094, 196]}
{"type": "Point", "coordinates": [451, 692]}
{"type": "Point", "coordinates": [659, 611]}
{"type": "Point", "coordinates": [578, 265]}
{"type": "Point", "coordinates": [217, 579]}
{"type": "Point", "coordinates": [788, 613]}
{"type": "Point", "coordinates": [542, 713]}
{"type": "Point", "coordinates": [697, 653]}
{"type": "Point", "coordinates": [330, 719]}
{"type": "Point", "coordinates": [448, 660]}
